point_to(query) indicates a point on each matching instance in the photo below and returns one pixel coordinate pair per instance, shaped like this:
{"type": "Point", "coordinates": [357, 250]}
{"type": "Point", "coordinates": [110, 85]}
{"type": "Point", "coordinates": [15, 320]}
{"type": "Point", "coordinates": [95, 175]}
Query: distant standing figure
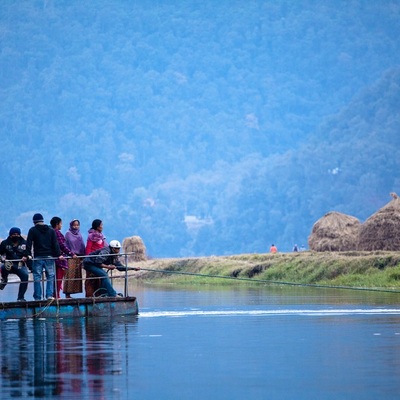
{"type": "Point", "coordinates": [14, 248]}
{"type": "Point", "coordinates": [43, 241]}
{"type": "Point", "coordinates": [95, 241]}
{"type": "Point", "coordinates": [273, 249]}
{"type": "Point", "coordinates": [62, 263]}
{"type": "Point", "coordinates": [73, 275]}
{"type": "Point", "coordinates": [295, 248]}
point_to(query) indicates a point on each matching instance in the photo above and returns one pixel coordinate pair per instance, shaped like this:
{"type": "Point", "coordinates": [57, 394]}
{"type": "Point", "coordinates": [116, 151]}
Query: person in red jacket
{"type": "Point", "coordinates": [95, 241]}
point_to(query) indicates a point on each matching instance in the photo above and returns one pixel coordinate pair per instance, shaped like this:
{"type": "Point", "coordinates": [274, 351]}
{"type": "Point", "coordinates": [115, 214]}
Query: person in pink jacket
{"type": "Point", "coordinates": [95, 241]}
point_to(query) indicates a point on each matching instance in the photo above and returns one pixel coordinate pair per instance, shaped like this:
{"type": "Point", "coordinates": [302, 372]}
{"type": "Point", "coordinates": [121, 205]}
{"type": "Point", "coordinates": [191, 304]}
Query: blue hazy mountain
{"type": "Point", "coordinates": [203, 127]}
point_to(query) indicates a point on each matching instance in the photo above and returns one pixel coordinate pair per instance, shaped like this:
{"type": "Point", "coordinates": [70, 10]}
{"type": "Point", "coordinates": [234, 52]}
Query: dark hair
{"type": "Point", "coordinates": [96, 223]}
{"type": "Point", "coordinates": [55, 221]}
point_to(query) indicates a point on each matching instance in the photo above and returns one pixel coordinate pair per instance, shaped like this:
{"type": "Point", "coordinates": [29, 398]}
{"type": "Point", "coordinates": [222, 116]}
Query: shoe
{"type": "Point", "coordinates": [21, 299]}
{"type": "Point", "coordinates": [50, 298]}
{"type": "Point", "coordinates": [119, 295]}
{"type": "Point", "coordinates": [3, 283]}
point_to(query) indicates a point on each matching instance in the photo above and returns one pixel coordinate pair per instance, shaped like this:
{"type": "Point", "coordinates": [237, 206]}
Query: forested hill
{"type": "Point", "coordinates": [203, 127]}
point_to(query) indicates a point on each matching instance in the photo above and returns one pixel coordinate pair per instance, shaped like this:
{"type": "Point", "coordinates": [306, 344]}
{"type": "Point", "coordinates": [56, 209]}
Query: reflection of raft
{"type": "Point", "coordinates": [67, 308]}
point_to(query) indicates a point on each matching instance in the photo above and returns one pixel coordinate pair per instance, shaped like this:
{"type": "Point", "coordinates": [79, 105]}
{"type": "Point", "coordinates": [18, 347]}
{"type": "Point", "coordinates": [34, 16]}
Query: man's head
{"type": "Point", "coordinates": [14, 233]}
{"type": "Point", "coordinates": [115, 246]}
{"type": "Point", "coordinates": [37, 218]}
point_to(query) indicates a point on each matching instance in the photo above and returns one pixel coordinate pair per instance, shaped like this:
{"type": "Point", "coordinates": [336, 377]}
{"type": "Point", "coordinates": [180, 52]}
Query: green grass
{"type": "Point", "coordinates": [353, 269]}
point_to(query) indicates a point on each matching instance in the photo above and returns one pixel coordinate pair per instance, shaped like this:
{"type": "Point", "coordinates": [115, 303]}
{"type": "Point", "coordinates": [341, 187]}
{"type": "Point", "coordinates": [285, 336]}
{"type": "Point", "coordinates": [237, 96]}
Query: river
{"type": "Point", "coordinates": [195, 342]}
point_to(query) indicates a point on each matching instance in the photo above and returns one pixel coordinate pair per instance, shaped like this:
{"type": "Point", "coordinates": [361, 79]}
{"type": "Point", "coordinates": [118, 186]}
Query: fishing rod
{"type": "Point", "coordinates": [313, 285]}
{"type": "Point", "coordinates": [255, 280]}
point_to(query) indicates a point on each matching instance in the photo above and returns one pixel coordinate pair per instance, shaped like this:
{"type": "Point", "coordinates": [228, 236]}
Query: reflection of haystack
{"type": "Point", "coordinates": [381, 231]}
{"type": "Point", "coordinates": [134, 244]}
{"type": "Point", "coordinates": [334, 232]}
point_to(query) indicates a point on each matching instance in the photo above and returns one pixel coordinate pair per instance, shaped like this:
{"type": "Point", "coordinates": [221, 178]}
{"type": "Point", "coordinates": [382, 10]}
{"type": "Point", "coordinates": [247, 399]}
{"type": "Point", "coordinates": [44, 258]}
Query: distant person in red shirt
{"type": "Point", "coordinates": [273, 249]}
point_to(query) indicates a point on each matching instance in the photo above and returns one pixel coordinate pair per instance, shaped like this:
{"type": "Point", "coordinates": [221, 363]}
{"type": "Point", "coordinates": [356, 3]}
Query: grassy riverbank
{"type": "Point", "coordinates": [355, 269]}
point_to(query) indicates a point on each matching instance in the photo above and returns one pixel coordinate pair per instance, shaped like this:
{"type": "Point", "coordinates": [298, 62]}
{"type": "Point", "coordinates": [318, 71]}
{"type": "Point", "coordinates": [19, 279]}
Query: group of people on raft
{"type": "Point", "coordinates": [61, 258]}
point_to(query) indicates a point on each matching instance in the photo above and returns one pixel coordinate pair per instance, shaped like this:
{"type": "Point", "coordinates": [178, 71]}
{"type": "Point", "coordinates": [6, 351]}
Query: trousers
{"type": "Point", "coordinates": [48, 266]}
{"type": "Point", "coordinates": [105, 282]}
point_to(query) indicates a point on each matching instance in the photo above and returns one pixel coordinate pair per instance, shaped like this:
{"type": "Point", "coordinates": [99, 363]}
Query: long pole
{"type": "Point", "coordinates": [267, 281]}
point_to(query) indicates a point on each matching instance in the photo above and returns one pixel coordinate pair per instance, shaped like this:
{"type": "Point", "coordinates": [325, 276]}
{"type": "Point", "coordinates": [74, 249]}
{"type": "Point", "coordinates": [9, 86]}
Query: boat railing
{"type": "Point", "coordinates": [124, 269]}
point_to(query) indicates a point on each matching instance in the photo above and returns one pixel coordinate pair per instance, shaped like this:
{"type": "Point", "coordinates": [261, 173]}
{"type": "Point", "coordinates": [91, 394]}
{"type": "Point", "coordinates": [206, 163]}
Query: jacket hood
{"type": "Point", "coordinates": [42, 228]}
{"type": "Point", "coordinates": [95, 236]}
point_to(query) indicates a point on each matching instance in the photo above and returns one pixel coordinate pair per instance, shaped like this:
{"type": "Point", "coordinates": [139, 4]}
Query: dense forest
{"type": "Point", "coordinates": [204, 127]}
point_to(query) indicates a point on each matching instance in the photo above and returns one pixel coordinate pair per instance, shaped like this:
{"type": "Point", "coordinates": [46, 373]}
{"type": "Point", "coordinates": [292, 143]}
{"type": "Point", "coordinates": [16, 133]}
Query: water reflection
{"type": "Point", "coordinates": [44, 358]}
{"type": "Point", "coordinates": [14, 364]}
{"type": "Point", "coordinates": [199, 343]}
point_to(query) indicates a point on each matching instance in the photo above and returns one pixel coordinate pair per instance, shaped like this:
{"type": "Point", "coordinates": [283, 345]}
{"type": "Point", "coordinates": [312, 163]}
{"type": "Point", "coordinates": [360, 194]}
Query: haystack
{"type": "Point", "coordinates": [334, 232]}
{"type": "Point", "coordinates": [134, 244]}
{"type": "Point", "coordinates": [381, 231]}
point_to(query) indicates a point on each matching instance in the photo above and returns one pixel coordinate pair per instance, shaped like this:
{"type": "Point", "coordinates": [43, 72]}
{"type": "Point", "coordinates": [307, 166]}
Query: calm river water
{"type": "Point", "coordinates": [247, 342]}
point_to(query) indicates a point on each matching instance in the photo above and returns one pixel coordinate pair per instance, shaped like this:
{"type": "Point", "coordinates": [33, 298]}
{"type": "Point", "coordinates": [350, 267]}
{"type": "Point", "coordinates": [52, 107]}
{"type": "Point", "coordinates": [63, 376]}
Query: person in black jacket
{"type": "Point", "coordinates": [42, 239]}
{"type": "Point", "coordinates": [14, 250]}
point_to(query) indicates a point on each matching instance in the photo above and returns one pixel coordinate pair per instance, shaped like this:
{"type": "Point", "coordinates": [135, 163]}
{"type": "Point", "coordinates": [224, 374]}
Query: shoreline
{"type": "Point", "coordinates": [374, 269]}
